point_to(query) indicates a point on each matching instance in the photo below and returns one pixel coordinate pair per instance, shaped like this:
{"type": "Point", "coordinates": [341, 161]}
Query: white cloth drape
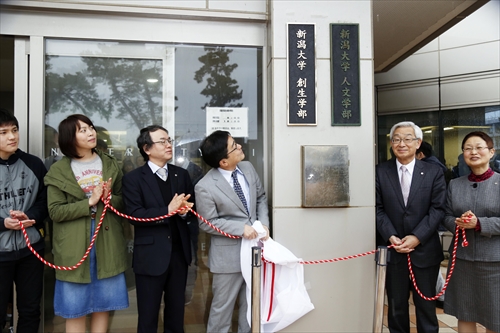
{"type": "Point", "coordinates": [284, 298]}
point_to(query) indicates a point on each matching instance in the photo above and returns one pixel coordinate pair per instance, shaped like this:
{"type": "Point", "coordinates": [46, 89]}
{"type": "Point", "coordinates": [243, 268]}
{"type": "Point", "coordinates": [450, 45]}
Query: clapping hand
{"type": "Point", "coordinates": [179, 201]}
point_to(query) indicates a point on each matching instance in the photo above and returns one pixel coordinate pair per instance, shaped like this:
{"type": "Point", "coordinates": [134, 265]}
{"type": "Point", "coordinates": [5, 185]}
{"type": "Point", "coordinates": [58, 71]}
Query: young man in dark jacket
{"type": "Point", "coordinates": [23, 198]}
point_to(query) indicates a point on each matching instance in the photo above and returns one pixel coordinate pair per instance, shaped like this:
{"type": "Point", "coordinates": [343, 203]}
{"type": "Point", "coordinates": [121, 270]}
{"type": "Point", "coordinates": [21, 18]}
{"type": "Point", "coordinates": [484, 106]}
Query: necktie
{"type": "Point", "coordinates": [405, 183]}
{"type": "Point", "coordinates": [238, 190]}
{"type": "Point", "coordinates": [162, 173]}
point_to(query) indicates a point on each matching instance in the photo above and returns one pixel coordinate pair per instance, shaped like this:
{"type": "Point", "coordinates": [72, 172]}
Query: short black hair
{"type": "Point", "coordinates": [425, 148]}
{"type": "Point", "coordinates": [144, 139]}
{"type": "Point", "coordinates": [67, 134]}
{"type": "Point", "coordinates": [7, 118]}
{"type": "Point", "coordinates": [214, 148]}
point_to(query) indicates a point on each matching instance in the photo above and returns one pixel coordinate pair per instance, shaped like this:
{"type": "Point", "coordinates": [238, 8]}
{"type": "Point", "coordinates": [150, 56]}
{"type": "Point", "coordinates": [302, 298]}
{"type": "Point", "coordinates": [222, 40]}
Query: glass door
{"type": "Point", "coordinates": [124, 87]}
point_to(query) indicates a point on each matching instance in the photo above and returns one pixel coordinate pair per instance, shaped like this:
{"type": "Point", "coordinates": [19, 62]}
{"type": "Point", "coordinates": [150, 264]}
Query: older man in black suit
{"type": "Point", "coordinates": [162, 250]}
{"type": "Point", "coordinates": [410, 203]}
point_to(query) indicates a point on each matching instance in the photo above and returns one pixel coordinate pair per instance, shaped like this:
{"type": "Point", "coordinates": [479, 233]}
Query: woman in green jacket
{"type": "Point", "coordinates": [75, 185]}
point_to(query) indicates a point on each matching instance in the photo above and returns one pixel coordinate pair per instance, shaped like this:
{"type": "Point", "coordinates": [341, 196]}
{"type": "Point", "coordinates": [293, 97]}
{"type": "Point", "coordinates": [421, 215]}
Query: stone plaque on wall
{"type": "Point", "coordinates": [325, 176]}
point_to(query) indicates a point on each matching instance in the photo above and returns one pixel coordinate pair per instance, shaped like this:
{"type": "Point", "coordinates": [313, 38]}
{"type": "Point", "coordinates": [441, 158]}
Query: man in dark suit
{"type": "Point", "coordinates": [410, 205]}
{"type": "Point", "coordinates": [162, 250]}
{"type": "Point", "coordinates": [232, 198]}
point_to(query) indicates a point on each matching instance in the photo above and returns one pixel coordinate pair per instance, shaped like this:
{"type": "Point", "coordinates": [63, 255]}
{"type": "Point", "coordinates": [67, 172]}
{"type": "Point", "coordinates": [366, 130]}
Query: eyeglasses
{"type": "Point", "coordinates": [407, 141]}
{"type": "Point", "coordinates": [235, 145]}
{"type": "Point", "coordinates": [469, 150]}
{"type": "Point", "coordinates": [164, 142]}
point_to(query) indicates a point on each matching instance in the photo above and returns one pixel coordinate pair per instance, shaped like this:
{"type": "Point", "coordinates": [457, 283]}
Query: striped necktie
{"type": "Point", "coordinates": [238, 190]}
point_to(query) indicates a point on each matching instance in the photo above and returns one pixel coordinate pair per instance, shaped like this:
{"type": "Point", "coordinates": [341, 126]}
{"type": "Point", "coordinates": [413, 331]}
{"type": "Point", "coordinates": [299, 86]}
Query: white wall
{"type": "Point", "coordinates": [342, 292]}
{"type": "Point", "coordinates": [466, 57]}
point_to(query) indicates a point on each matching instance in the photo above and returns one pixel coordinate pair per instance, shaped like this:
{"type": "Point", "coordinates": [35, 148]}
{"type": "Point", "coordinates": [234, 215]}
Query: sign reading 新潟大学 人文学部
{"type": "Point", "coordinates": [345, 74]}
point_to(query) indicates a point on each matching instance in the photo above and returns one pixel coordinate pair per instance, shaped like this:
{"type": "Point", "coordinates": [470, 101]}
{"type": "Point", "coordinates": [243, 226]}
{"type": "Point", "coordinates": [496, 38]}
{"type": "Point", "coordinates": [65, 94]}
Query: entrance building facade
{"type": "Point", "coordinates": [129, 64]}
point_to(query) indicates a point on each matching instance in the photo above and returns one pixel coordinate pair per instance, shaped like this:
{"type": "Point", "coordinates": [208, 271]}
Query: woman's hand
{"type": "Point", "coordinates": [467, 221]}
{"type": "Point", "coordinates": [179, 201]}
{"type": "Point", "coordinates": [96, 195]}
{"type": "Point", "coordinates": [107, 188]}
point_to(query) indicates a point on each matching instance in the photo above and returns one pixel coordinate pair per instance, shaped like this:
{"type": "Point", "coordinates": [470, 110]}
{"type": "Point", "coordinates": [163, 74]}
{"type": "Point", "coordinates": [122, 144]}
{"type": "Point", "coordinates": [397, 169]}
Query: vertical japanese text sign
{"type": "Point", "coordinates": [301, 74]}
{"type": "Point", "coordinates": [345, 74]}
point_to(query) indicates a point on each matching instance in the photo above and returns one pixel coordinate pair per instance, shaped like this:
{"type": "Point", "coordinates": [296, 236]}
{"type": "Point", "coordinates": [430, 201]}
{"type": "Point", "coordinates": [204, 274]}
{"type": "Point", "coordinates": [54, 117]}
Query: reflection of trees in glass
{"type": "Point", "coordinates": [131, 94]}
{"type": "Point", "coordinates": [71, 92]}
{"type": "Point", "coordinates": [221, 88]}
{"type": "Point", "coordinates": [108, 85]}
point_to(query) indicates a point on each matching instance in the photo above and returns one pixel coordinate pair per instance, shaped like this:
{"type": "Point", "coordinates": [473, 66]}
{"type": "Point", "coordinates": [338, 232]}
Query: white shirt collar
{"type": "Point", "coordinates": [155, 168]}
{"type": "Point", "coordinates": [227, 174]}
{"type": "Point", "coordinates": [410, 166]}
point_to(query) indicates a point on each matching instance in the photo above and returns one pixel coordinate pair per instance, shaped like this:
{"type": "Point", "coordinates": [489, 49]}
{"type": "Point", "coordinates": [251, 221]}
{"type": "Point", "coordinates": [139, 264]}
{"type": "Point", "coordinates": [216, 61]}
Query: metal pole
{"type": "Point", "coordinates": [256, 267]}
{"type": "Point", "coordinates": [378, 316]}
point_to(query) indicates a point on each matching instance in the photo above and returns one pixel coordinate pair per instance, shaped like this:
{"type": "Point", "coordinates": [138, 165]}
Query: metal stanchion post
{"type": "Point", "coordinates": [256, 267]}
{"type": "Point", "coordinates": [378, 316]}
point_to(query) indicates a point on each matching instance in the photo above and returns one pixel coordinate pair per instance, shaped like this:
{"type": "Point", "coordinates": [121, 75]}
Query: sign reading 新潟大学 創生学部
{"type": "Point", "coordinates": [301, 74]}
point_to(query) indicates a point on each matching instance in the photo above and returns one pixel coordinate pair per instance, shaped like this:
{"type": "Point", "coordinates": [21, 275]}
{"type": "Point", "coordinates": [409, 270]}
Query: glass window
{"type": "Point", "coordinates": [427, 121]}
{"type": "Point", "coordinates": [446, 140]}
{"type": "Point", "coordinates": [458, 123]}
{"type": "Point", "coordinates": [124, 87]}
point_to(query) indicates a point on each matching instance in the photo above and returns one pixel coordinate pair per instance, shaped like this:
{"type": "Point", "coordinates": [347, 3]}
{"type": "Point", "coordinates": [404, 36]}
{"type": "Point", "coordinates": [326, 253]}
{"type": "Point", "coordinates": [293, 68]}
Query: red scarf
{"type": "Point", "coordinates": [479, 178]}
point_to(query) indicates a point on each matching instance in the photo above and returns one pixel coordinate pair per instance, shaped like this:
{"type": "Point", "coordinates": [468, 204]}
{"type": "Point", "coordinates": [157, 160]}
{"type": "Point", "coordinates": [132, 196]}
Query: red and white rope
{"type": "Point", "coordinates": [92, 241]}
{"type": "Point", "coordinates": [452, 267]}
{"type": "Point", "coordinates": [66, 268]}
{"type": "Point", "coordinates": [213, 226]}
{"type": "Point", "coordinates": [168, 215]}
{"type": "Point", "coordinates": [324, 261]}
